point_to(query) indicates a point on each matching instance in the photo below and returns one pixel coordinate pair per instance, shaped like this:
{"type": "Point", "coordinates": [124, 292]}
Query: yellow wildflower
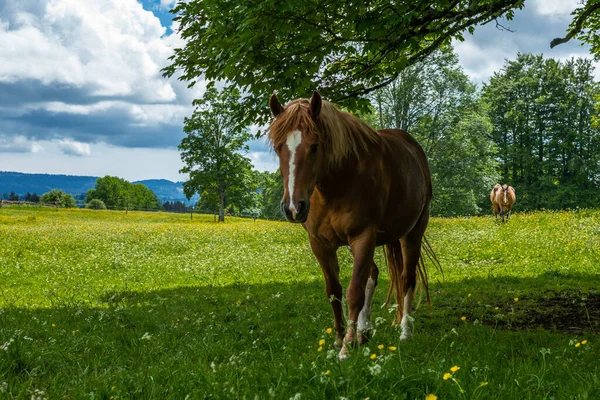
{"type": "Point", "coordinates": [327, 372]}
{"type": "Point", "coordinates": [447, 376]}
{"type": "Point", "coordinates": [463, 318]}
{"type": "Point", "coordinates": [455, 368]}
{"type": "Point", "coordinates": [328, 331]}
{"type": "Point", "coordinates": [321, 342]}
{"type": "Point", "coordinates": [373, 356]}
{"type": "Point", "coordinates": [496, 308]}
{"type": "Point", "coordinates": [516, 299]}
{"type": "Point", "coordinates": [584, 342]}
{"type": "Point", "coordinates": [380, 347]}
{"type": "Point", "coordinates": [54, 325]}
{"type": "Point", "coordinates": [320, 348]}
{"type": "Point", "coordinates": [577, 344]}
{"type": "Point", "coordinates": [392, 348]}
{"type": "Point", "coordinates": [431, 396]}
{"type": "Point", "coordinates": [469, 295]}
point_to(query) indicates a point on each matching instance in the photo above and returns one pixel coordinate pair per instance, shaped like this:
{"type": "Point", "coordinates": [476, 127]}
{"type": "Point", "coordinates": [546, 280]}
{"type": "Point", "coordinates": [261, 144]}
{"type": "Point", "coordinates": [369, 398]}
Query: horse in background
{"type": "Point", "coordinates": [350, 185]}
{"type": "Point", "coordinates": [503, 198]}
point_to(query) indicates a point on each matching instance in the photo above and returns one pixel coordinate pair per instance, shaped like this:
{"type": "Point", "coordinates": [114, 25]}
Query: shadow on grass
{"type": "Point", "coordinates": [244, 339]}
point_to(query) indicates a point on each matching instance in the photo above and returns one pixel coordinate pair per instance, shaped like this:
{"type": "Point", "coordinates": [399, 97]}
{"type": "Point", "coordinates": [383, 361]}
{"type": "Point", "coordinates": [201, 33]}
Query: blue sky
{"type": "Point", "coordinates": [81, 91]}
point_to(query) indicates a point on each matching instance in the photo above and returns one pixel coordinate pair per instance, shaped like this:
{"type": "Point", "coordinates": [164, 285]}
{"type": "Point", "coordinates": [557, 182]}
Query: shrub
{"type": "Point", "coordinates": [95, 204]}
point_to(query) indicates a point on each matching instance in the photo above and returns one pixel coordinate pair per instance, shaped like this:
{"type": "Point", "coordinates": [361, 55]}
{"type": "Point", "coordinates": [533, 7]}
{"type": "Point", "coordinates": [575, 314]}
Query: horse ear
{"type": "Point", "coordinates": [276, 107]}
{"type": "Point", "coordinates": [315, 105]}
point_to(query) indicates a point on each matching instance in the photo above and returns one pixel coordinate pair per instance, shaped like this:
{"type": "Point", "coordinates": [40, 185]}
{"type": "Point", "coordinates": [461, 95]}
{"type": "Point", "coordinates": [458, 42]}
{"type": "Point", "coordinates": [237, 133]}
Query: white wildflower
{"type": "Point", "coordinates": [375, 369]}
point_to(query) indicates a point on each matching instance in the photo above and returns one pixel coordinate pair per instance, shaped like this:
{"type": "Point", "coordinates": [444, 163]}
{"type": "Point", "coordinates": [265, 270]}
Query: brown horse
{"type": "Point", "coordinates": [349, 184]}
{"type": "Point", "coordinates": [503, 198]}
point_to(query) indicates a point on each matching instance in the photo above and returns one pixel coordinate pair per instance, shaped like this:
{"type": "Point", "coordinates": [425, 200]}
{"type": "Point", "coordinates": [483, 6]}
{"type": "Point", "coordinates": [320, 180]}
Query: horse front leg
{"type": "Point", "coordinates": [328, 261]}
{"type": "Point", "coordinates": [365, 326]}
{"type": "Point", "coordinates": [363, 249]}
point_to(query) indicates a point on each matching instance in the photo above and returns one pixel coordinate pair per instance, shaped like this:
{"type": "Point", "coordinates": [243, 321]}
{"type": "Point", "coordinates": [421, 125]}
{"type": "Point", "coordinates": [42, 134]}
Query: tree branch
{"type": "Point", "coordinates": [578, 25]}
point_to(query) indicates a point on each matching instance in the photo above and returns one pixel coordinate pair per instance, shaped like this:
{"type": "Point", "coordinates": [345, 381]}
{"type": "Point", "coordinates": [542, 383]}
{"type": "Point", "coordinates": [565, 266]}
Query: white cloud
{"type": "Point", "coordinates": [90, 71]}
{"type": "Point", "coordinates": [554, 8]}
{"type": "Point", "coordinates": [18, 144]}
{"type": "Point", "coordinates": [263, 160]}
{"type": "Point", "coordinates": [167, 4]}
{"type": "Point", "coordinates": [478, 62]}
{"type": "Point", "coordinates": [73, 148]}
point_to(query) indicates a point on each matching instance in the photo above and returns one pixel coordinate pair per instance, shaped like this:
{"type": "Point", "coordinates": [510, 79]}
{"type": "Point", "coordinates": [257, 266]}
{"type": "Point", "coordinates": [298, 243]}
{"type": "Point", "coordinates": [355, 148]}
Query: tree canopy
{"type": "Point", "coordinates": [343, 48]}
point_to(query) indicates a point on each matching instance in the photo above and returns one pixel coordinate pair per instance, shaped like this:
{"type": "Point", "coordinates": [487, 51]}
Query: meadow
{"type": "Point", "coordinates": [104, 305]}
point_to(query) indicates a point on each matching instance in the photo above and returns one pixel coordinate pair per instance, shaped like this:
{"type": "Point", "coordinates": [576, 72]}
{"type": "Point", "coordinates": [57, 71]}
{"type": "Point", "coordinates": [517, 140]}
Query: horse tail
{"type": "Point", "coordinates": [393, 256]}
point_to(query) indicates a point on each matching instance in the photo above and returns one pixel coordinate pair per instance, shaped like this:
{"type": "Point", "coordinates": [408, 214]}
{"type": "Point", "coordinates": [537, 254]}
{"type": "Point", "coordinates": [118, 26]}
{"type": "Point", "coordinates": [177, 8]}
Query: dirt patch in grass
{"type": "Point", "coordinates": [565, 311]}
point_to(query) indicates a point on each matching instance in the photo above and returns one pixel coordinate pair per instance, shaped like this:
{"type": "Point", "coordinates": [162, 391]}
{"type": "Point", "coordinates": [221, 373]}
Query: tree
{"type": "Point", "coordinates": [210, 151]}
{"type": "Point", "coordinates": [342, 48]}
{"type": "Point", "coordinates": [13, 196]}
{"type": "Point", "coordinates": [175, 206]}
{"type": "Point", "coordinates": [58, 198]}
{"type": "Point", "coordinates": [117, 193]}
{"type": "Point", "coordinates": [437, 103]}
{"type": "Point", "coordinates": [271, 191]}
{"type": "Point", "coordinates": [32, 197]}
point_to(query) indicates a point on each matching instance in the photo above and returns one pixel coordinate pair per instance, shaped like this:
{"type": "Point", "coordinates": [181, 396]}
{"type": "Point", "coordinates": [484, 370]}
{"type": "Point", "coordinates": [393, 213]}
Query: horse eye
{"type": "Point", "coordinates": [314, 148]}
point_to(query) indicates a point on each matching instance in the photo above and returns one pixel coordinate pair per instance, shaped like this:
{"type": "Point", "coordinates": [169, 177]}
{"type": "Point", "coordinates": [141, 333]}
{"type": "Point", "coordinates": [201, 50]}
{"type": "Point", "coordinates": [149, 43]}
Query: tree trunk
{"type": "Point", "coordinates": [221, 206]}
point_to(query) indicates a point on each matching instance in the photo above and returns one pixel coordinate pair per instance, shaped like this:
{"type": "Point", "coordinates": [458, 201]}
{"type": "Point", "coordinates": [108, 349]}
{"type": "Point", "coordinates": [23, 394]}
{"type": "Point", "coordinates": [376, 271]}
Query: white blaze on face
{"type": "Point", "coordinates": [293, 141]}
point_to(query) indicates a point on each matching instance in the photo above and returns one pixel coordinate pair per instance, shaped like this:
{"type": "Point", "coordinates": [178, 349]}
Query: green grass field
{"type": "Point", "coordinates": [103, 305]}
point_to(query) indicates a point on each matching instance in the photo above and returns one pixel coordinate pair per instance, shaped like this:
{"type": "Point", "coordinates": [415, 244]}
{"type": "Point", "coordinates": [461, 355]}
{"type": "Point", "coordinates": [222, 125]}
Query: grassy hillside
{"type": "Point", "coordinates": [153, 305]}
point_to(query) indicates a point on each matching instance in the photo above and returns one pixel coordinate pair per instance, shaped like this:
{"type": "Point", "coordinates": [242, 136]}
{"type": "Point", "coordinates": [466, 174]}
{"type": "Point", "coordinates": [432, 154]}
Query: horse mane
{"type": "Point", "coordinates": [341, 134]}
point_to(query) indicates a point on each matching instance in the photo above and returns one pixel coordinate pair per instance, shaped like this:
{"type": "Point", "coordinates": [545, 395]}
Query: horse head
{"type": "Point", "coordinates": [504, 193]}
{"type": "Point", "coordinates": [293, 135]}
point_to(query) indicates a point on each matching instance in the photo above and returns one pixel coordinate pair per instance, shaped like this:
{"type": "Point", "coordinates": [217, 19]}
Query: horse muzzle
{"type": "Point", "coordinates": [296, 211]}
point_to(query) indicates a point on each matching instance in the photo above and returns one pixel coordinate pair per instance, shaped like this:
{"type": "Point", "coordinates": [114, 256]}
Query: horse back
{"type": "Point", "coordinates": [407, 155]}
{"type": "Point", "coordinates": [407, 170]}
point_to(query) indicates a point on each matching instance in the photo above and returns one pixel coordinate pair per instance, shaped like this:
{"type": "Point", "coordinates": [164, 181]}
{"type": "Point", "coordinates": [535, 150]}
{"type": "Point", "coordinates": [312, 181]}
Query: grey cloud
{"type": "Point", "coordinates": [109, 126]}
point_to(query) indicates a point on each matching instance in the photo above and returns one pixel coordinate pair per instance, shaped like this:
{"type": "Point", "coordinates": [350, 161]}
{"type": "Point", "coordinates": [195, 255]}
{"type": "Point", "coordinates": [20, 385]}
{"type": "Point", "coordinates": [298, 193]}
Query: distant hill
{"type": "Point", "coordinates": [22, 183]}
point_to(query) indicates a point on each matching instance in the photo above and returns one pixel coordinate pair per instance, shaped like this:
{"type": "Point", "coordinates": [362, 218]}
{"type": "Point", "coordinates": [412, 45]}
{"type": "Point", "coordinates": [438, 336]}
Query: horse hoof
{"type": "Point", "coordinates": [343, 354]}
{"type": "Point", "coordinates": [407, 326]}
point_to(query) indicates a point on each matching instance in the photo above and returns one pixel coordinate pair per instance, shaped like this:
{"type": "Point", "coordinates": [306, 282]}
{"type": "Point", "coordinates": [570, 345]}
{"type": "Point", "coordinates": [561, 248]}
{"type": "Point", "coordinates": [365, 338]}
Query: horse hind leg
{"type": "Point", "coordinates": [411, 254]}
{"type": "Point", "coordinates": [411, 251]}
{"type": "Point", "coordinates": [365, 326]}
